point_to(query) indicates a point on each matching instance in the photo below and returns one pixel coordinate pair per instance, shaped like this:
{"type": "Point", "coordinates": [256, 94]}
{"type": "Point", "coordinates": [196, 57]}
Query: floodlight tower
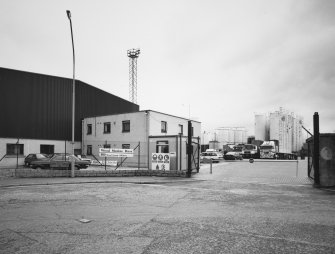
{"type": "Point", "coordinates": [133, 55]}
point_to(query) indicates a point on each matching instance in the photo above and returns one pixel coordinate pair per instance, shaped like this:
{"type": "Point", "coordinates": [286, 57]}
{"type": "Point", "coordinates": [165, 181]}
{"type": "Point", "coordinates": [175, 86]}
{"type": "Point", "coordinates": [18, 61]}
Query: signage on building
{"type": "Point", "coordinates": [160, 161]}
{"type": "Point", "coordinates": [116, 152]}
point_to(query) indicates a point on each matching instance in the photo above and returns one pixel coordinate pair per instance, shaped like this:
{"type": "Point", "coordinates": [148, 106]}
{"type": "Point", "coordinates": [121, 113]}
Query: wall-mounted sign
{"type": "Point", "coordinates": [160, 161]}
{"type": "Point", "coordinates": [116, 152]}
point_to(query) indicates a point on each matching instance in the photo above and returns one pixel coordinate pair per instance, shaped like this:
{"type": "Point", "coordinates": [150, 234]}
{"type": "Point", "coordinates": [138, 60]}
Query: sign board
{"type": "Point", "coordinates": [116, 152]}
{"type": "Point", "coordinates": [109, 163]}
{"type": "Point", "coordinates": [160, 161]}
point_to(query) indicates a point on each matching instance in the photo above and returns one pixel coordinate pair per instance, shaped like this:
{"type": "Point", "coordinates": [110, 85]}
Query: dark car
{"type": "Point", "coordinates": [34, 157]}
{"type": "Point", "coordinates": [60, 162]}
{"type": "Point", "coordinates": [233, 156]}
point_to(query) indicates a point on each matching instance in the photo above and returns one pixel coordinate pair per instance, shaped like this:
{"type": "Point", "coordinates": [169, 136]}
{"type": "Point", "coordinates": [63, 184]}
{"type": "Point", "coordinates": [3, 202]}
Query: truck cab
{"type": "Point", "coordinates": [250, 151]}
{"type": "Point", "coordinates": [268, 150]}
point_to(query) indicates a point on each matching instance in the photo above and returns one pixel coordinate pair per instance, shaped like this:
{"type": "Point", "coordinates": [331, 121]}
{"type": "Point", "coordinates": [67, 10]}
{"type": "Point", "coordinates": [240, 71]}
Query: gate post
{"type": "Point", "coordinates": [189, 149]}
{"type": "Point", "coordinates": [316, 150]}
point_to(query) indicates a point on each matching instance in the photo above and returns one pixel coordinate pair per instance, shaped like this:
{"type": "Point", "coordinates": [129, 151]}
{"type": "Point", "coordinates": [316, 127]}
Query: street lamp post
{"type": "Point", "coordinates": [73, 95]}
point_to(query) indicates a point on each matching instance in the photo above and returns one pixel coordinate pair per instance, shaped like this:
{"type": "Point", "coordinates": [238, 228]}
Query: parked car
{"type": "Point", "coordinates": [34, 157]}
{"type": "Point", "coordinates": [207, 156]}
{"type": "Point", "coordinates": [60, 162]}
{"type": "Point", "coordinates": [84, 158]}
{"type": "Point", "coordinates": [233, 156]}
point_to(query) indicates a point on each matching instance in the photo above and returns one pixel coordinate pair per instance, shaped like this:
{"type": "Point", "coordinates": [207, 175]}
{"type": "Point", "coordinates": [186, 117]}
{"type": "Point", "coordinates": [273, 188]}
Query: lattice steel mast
{"type": "Point", "coordinates": [133, 55]}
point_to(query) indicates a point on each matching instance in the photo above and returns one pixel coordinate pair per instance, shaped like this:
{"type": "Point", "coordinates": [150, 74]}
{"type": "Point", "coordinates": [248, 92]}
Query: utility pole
{"type": "Point", "coordinates": [133, 55]}
{"type": "Point", "coordinates": [73, 94]}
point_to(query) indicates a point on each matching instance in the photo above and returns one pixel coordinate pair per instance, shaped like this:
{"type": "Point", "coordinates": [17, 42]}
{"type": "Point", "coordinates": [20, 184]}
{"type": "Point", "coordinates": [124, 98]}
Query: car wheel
{"type": "Point", "coordinates": [38, 167]}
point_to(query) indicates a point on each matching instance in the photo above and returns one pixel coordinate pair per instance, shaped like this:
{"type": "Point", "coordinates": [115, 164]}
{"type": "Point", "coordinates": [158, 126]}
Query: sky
{"type": "Point", "coordinates": [217, 61]}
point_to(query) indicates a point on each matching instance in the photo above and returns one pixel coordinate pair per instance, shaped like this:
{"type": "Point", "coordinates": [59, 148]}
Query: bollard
{"type": "Point", "coordinates": [211, 166]}
{"type": "Point", "coordinates": [296, 172]}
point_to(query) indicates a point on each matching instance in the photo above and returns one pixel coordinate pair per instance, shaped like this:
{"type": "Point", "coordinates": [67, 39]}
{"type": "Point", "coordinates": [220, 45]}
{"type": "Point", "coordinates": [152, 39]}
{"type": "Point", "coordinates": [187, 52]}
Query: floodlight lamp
{"type": "Point", "coordinates": [68, 14]}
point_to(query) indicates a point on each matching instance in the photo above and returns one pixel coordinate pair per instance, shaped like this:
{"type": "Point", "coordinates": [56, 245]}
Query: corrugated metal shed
{"type": "Point", "coordinates": [37, 106]}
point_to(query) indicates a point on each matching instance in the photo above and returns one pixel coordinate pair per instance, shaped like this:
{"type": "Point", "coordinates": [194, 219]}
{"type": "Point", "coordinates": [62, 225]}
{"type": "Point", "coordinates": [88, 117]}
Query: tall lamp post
{"type": "Point", "coordinates": [73, 94]}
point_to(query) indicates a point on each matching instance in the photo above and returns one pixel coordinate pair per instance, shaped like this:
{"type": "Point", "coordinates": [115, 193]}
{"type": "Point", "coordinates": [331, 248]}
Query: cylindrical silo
{"type": "Point", "coordinates": [260, 127]}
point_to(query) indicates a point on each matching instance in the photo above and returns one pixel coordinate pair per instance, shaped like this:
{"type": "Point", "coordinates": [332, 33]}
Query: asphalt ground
{"type": "Point", "coordinates": [237, 208]}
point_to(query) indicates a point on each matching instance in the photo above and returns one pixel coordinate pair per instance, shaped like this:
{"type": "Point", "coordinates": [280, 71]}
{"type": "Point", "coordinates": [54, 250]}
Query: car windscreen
{"type": "Point", "coordinates": [266, 147]}
{"type": "Point", "coordinates": [40, 156]}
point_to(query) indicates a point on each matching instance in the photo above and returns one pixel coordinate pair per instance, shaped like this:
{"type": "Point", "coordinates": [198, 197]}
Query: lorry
{"type": "Point", "coordinates": [270, 150]}
{"type": "Point", "coordinates": [250, 151]}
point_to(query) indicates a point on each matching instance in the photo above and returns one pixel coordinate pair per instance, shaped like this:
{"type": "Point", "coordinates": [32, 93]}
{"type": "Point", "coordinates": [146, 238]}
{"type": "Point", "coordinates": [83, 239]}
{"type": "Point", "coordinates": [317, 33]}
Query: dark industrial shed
{"type": "Point", "coordinates": [37, 106]}
{"type": "Point", "coordinates": [36, 113]}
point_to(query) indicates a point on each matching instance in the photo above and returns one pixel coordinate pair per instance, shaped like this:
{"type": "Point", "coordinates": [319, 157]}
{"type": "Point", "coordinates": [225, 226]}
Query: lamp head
{"type": "Point", "coordinates": [68, 14]}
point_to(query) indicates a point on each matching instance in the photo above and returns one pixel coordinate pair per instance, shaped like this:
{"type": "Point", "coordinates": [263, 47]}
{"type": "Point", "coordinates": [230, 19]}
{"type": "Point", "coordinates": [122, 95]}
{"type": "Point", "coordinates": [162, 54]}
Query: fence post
{"type": "Point", "coordinates": [139, 155]}
{"type": "Point", "coordinates": [211, 166]}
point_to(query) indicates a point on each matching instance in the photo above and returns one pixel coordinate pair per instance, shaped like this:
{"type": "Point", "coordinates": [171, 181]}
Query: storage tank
{"type": "Point", "coordinates": [260, 127]}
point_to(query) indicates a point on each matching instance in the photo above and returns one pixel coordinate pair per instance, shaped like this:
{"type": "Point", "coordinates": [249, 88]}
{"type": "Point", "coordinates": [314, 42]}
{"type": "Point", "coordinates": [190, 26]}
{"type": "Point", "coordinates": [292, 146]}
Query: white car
{"type": "Point", "coordinates": [207, 156]}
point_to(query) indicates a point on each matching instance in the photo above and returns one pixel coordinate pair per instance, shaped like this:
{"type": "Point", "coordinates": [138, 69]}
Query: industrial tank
{"type": "Point", "coordinates": [260, 127]}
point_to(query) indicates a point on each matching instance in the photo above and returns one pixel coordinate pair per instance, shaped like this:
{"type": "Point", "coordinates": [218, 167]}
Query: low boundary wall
{"type": "Point", "coordinates": [45, 173]}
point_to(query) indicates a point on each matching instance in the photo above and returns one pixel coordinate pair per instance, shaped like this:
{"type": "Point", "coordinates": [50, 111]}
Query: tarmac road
{"type": "Point", "coordinates": [273, 212]}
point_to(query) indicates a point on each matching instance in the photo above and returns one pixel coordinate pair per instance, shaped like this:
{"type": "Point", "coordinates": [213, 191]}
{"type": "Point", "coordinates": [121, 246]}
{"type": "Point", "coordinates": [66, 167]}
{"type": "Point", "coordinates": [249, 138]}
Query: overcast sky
{"type": "Point", "coordinates": [222, 60]}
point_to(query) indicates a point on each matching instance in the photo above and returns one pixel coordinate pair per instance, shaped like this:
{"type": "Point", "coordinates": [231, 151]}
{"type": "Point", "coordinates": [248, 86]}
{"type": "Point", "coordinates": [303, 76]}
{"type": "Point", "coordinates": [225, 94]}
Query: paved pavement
{"type": "Point", "coordinates": [276, 211]}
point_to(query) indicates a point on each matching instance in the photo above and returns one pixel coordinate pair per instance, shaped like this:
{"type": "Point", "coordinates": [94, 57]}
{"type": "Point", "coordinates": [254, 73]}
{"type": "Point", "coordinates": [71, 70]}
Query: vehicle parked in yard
{"type": "Point", "coordinates": [34, 157]}
{"type": "Point", "coordinates": [214, 156]}
{"type": "Point", "coordinates": [84, 158]}
{"type": "Point", "coordinates": [233, 156]}
{"type": "Point", "coordinates": [60, 162]}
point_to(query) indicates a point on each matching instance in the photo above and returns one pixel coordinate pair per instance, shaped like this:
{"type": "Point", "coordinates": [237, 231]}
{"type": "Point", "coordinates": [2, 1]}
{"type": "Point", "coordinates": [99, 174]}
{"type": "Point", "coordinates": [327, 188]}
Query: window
{"type": "Point", "coordinates": [107, 127]}
{"type": "Point", "coordinates": [47, 149]}
{"type": "Point", "coordinates": [125, 146]}
{"type": "Point", "coordinates": [162, 147]}
{"type": "Point", "coordinates": [163, 126]}
{"type": "Point", "coordinates": [192, 131]}
{"type": "Point", "coordinates": [107, 146]}
{"type": "Point", "coordinates": [181, 127]}
{"type": "Point", "coordinates": [89, 150]}
{"type": "Point", "coordinates": [14, 149]}
{"type": "Point", "coordinates": [126, 126]}
{"type": "Point", "coordinates": [89, 129]}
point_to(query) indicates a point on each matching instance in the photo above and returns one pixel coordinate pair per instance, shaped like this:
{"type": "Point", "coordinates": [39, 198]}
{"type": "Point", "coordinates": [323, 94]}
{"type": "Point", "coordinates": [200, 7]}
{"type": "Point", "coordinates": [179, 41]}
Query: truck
{"type": "Point", "coordinates": [270, 150]}
{"type": "Point", "coordinates": [250, 151]}
{"type": "Point", "coordinates": [279, 134]}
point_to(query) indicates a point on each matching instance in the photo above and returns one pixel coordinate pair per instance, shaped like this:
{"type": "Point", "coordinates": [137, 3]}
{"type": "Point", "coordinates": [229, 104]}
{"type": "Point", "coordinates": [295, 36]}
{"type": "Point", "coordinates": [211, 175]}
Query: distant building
{"type": "Point", "coordinates": [282, 125]}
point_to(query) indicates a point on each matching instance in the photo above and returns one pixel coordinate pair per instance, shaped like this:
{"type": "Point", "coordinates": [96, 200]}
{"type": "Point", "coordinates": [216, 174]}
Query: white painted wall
{"type": "Point", "coordinates": [31, 146]}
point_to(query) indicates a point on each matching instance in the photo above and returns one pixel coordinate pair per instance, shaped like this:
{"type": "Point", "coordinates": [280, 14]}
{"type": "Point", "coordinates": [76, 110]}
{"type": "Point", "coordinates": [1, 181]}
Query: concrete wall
{"type": "Point", "coordinates": [31, 146]}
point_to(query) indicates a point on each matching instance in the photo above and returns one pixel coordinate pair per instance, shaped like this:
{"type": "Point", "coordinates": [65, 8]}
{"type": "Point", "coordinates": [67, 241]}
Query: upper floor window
{"type": "Point", "coordinates": [89, 129]}
{"type": "Point", "coordinates": [14, 149]}
{"type": "Point", "coordinates": [107, 127]}
{"type": "Point", "coordinates": [181, 127]}
{"type": "Point", "coordinates": [126, 126]}
{"type": "Point", "coordinates": [163, 127]}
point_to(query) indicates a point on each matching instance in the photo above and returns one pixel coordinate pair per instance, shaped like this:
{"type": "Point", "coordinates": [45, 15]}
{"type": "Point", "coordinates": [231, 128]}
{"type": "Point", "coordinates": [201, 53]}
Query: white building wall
{"type": "Point", "coordinates": [31, 146]}
{"type": "Point", "coordinates": [143, 124]}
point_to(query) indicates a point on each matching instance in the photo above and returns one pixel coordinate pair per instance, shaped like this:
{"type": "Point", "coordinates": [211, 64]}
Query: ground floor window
{"type": "Point", "coordinates": [162, 147]}
{"type": "Point", "coordinates": [14, 149]}
{"type": "Point", "coordinates": [125, 146]}
{"type": "Point", "coordinates": [47, 149]}
{"type": "Point", "coordinates": [89, 150]}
